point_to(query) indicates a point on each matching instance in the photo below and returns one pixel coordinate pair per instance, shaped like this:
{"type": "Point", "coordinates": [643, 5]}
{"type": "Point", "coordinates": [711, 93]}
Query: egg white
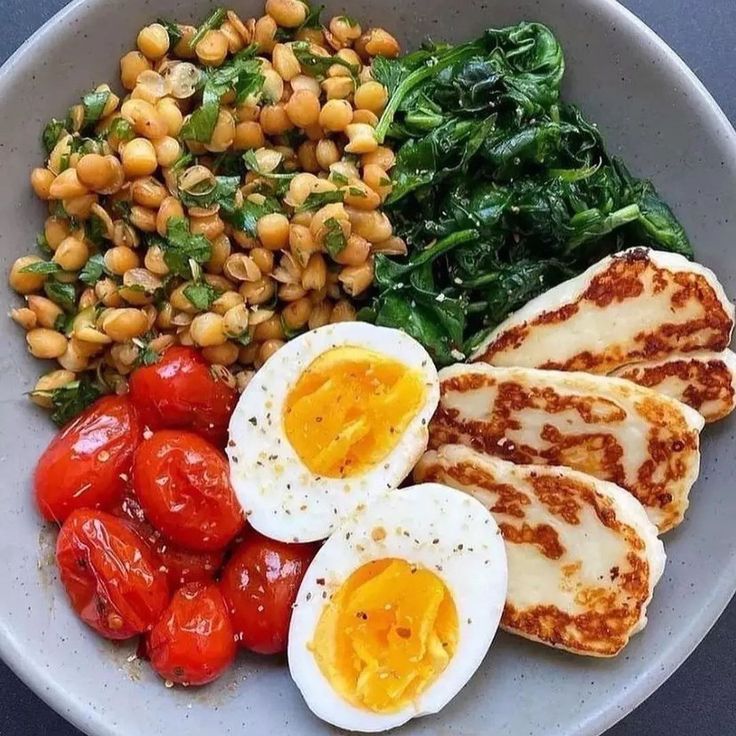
{"type": "Point", "coordinates": [430, 525]}
{"type": "Point", "coordinates": [281, 496]}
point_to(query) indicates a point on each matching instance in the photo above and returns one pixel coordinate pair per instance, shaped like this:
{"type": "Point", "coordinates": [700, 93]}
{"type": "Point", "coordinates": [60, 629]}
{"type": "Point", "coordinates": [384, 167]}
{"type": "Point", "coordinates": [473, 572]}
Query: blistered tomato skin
{"type": "Point", "coordinates": [181, 565]}
{"type": "Point", "coordinates": [193, 643]}
{"type": "Point", "coordinates": [87, 463]}
{"type": "Point", "coordinates": [180, 392]}
{"type": "Point", "coordinates": [110, 574]}
{"type": "Point", "coordinates": [260, 582]}
{"type": "Point", "coordinates": [182, 483]}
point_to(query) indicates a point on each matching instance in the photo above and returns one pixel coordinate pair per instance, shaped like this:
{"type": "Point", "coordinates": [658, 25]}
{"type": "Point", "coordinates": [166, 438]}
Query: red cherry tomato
{"type": "Point", "coordinates": [181, 565]}
{"type": "Point", "coordinates": [193, 642]}
{"type": "Point", "coordinates": [110, 574]}
{"type": "Point", "coordinates": [183, 485]}
{"type": "Point", "coordinates": [86, 464]}
{"type": "Point", "coordinates": [180, 392]}
{"type": "Point", "coordinates": [260, 583]}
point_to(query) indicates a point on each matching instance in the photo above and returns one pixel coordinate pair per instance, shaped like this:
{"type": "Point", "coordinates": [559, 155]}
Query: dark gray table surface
{"type": "Point", "coordinates": [700, 696]}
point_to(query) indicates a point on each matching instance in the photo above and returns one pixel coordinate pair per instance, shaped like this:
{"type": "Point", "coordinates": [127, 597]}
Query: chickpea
{"type": "Point", "coordinates": [360, 196]}
{"type": "Point", "coordinates": [285, 62]}
{"type": "Point", "coordinates": [48, 383]}
{"type": "Point", "coordinates": [378, 42]}
{"type": "Point", "coordinates": [313, 36]}
{"type": "Point", "coordinates": [25, 283]}
{"type": "Point", "coordinates": [148, 192]}
{"type": "Point", "coordinates": [302, 244]}
{"type": "Point", "coordinates": [345, 29]}
{"type": "Point", "coordinates": [335, 211]}
{"type": "Point", "coordinates": [80, 207]}
{"type": "Point", "coordinates": [270, 329]}
{"type": "Point", "coordinates": [170, 113]}
{"type": "Point", "coordinates": [213, 48]}
{"type": "Point", "coordinates": [95, 171]}
{"type": "Point", "coordinates": [268, 348]}
{"type": "Point", "coordinates": [225, 354]}
{"type": "Point", "coordinates": [336, 115]}
{"type": "Point", "coordinates": [382, 156]}
{"type": "Point", "coordinates": [124, 323]}
{"type": "Point", "coordinates": [145, 118]}
{"type": "Point", "coordinates": [183, 48]}
{"type": "Point", "coordinates": [241, 267]}
{"type": "Point", "coordinates": [343, 311]}
{"type": "Point", "coordinates": [167, 151]}
{"type": "Point", "coordinates": [361, 137]}
{"type": "Point", "coordinates": [235, 320]}
{"type": "Point", "coordinates": [227, 301]}
{"type": "Point", "coordinates": [249, 353]}
{"type": "Point", "coordinates": [45, 311]}
{"type": "Point", "coordinates": [45, 344]}
{"type": "Point", "coordinates": [377, 179]}
{"type": "Point", "coordinates": [153, 41]}
{"type": "Point", "coordinates": [287, 13]}
{"type": "Point", "coordinates": [371, 96]}
{"type": "Point", "coordinates": [307, 156]}
{"type": "Point", "coordinates": [55, 230]}
{"type": "Point", "coordinates": [211, 226]}
{"type": "Point", "coordinates": [296, 314]}
{"type": "Point", "coordinates": [67, 185]}
{"type": "Point", "coordinates": [154, 261]}
{"type": "Point", "coordinates": [106, 291]}
{"type": "Point", "coordinates": [248, 135]}
{"type": "Point", "coordinates": [224, 133]}
{"type": "Point", "coordinates": [356, 279]}
{"type": "Point", "coordinates": [374, 226]}
{"type": "Point", "coordinates": [143, 218]}
{"type": "Point", "coordinates": [219, 253]}
{"type": "Point", "coordinates": [41, 181]}
{"type": "Point", "coordinates": [71, 254]}
{"type": "Point", "coordinates": [273, 231]}
{"type": "Point", "coordinates": [264, 34]}
{"type": "Point", "coordinates": [274, 120]}
{"type": "Point", "coordinates": [139, 158]}
{"type": "Point", "coordinates": [338, 88]}
{"type": "Point", "coordinates": [208, 330]}
{"type": "Point", "coordinates": [303, 108]}
{"type": "Point", "coordinates": [366, 117]}
{"type": "Point", "coordinates": [314, 276]}
{"type": "Point", "coordinates": [170, 208]}
{"type": "Point", "coordinates": [180, 302]}
{"type": "Point", "coordinates": [258, 292]}
{"type": "Point", "coordinates": [234, 39]}
{"type": "Point", "coordinates": [120, 259]}
{"type": "Point", "coordinates": [327, 153]}
{"type": "Point", "coordinates": [131, 65]}
{"type": "Point", "coordinates": [356, 251]}
{"type": "Point", "coordinates": [303, 81]}
{"type": "Point", "coordinates": [24, 317]}
{"type": "Point", "coordinates": [124, 234]}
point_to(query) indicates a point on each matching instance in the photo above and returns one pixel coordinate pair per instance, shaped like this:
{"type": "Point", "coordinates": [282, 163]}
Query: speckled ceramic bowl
{"type": "Point", "coordinates": [653, 111]}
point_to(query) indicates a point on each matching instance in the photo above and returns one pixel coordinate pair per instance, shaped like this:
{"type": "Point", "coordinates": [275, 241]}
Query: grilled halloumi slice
{"type": "Point", "coordinates": [639, 304]}
{"type": "Point", "coordinates": [583, 557]}
{"type": "Point", "coordinates": [704, 380]}
{"type": "Point", "coordinates": [607, 427]}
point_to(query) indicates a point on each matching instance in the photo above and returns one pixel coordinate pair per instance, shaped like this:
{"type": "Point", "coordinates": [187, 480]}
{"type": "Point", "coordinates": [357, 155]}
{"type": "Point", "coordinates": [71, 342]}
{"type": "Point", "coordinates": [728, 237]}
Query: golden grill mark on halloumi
{"type": "Point", "coordinates": [583, 556]}
{"type": "Point", "coordinates": [704, 380]}
{"type": "Point", "coordinates": [636, 305]}
{"type": "Point", "coordinates": [607, 427]}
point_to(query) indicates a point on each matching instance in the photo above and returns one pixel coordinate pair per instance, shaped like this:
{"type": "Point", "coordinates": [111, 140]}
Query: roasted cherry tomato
{"type": "Point", "coordinates": [111, 575]}
{"type": "Point", "coordinates": [183, 485]}
{"type": "Point", "coordinates": [181, 565]}
{"type": "Point", "coordinates": [260, 583]}
{"type": "Point", "coordinates": [181, 392]}
{"type": "Point", "coordinates": [193, 642]}
{"type": "Point", "coordinates": [87, 463]}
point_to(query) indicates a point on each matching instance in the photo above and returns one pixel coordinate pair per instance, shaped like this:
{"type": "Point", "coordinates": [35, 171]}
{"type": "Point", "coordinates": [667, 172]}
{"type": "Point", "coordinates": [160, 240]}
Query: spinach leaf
{"type": "Point", "coordinates": [316, 200]}
{"type": "Point", "coordinates": [201, 295]}
{"type": "Point", "coordinates": [70, 400]}
{"type": "Point", "coordinates": [222, 193]}
{"type": "Point", "coordinates": [94, 105]}
{"type": "Point", "coordinates": [313, 16]}
{"type": "Point", "coordinates": [44, 267]}
{"type": "Point", "coordinates": [65, 295]}
{"type": "Point", "coordinates": [246, 216]}
{"type": "Point", "coordinates": [317, 66]}
{"type": "Point", "coordinates": [242, 74]}
{"type": "Point", "coordinates": [52, 132]}
{"type": "Point", "coordinates": [335, 240]}
{"type": "Point", "coordinates": [181, 247]}
{"type": "Point", "coordinates": [93, 270]}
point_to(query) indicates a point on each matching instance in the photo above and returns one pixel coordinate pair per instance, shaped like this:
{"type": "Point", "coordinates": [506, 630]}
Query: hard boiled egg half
{"type": "Point", "coordinates": [398, 608]}
{"type": "Point", "coordinates": [336, 415]}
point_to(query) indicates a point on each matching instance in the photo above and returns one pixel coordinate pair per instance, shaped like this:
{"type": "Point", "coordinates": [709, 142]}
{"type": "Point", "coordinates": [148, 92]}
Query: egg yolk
{"type": "Point", "coordinates": [386, 635]}
{"type": "Point", "coordinates": [349, 409]}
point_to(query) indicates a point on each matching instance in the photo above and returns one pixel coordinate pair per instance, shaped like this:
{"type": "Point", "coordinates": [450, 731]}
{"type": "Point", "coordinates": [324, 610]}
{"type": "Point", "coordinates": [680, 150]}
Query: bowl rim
{"type": "Point", "coordinates": [53, 692]}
